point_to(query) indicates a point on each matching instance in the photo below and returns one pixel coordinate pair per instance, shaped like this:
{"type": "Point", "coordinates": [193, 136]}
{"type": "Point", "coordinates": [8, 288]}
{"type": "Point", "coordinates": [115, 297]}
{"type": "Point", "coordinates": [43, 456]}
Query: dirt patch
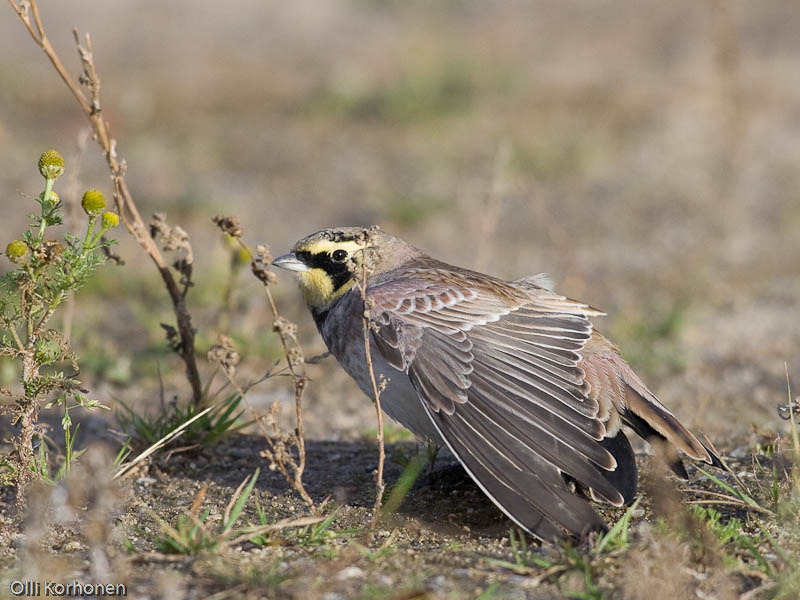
{"type": "Point", "coordinates": [444, 541]}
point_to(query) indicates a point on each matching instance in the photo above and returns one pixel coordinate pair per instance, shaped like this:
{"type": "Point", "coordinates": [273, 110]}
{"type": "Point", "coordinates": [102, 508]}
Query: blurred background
{"type": "Point", "coordinates": [643, 153]}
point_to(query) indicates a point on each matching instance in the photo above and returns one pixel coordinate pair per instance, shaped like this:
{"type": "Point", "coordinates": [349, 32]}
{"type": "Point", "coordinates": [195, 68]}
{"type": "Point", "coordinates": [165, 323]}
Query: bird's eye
{"type": "Point", "coordinates": [339, 255]}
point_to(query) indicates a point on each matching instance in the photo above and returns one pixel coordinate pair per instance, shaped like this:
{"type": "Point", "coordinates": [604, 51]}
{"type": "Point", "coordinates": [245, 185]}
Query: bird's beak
{"type": "Point", "coordinates": [290, 262]}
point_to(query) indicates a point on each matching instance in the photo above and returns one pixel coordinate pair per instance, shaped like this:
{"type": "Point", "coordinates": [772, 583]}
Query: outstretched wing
{"type": "Point", "coordinates": [496, 367]}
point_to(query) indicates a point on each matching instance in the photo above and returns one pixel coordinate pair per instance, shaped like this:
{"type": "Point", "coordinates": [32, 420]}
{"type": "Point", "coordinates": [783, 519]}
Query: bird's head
{"type": "Point", "coordinates": [329, 262]}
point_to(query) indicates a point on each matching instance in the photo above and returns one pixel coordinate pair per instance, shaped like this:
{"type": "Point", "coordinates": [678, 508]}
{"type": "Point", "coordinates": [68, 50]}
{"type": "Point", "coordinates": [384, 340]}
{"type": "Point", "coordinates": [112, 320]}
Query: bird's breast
{"type": "Point", "coordinates": [399, 399]}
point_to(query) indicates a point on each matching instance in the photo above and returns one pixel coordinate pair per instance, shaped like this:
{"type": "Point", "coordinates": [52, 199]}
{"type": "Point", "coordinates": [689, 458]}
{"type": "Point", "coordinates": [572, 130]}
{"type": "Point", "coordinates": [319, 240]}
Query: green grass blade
{"type": "Point", "coordinates": [731, 490]}
{"type": "Point", "coordinates": [619, 532]}
{"type": "Point", "coordinates": [238, 506]}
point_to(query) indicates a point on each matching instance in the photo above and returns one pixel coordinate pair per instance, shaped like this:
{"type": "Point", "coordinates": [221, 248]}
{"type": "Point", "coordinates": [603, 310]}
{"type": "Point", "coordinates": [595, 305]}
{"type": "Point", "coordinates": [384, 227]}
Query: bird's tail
{"type": "Point", "coordinates": [655, 423]}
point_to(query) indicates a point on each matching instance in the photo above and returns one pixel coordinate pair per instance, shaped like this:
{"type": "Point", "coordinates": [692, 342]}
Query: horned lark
{"type": "Point", "coordinates": [509, 375]}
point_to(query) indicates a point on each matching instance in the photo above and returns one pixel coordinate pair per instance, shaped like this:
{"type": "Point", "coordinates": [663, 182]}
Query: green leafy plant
{"type": "Point", "coordinates": [571, 564]}
{"type": "Point", "coordinates": [617, 538]}
{"type": "Point", "coordinates": [733, 537]}
{"type": "Point", "coordinates": [525, 560]}
{"type": "Point", "coordinates": [46, 272]}
{"type": "Point", "coordinates": [192, 533]}
{"type": "Point", "coordinates": [212, 426]}
{"type": "Point", "coordinates": [317, 534]}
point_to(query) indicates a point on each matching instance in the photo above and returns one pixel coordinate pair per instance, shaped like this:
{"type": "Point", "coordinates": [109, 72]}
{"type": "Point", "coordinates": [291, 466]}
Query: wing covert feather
{"type": "Point", "coordinates": [497, 368]}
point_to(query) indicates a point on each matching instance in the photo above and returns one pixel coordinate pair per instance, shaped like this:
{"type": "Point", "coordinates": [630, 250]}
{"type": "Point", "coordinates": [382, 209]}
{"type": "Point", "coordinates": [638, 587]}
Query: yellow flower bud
{"type": "Point", "coordinates": [16, 251]}
{"type": "Point", "coordinates": [51, 164]}
{"type": "Point", "coordinates": [110, 220]}
{"type": "Point", "coordinates": [52, 200]}
{"type": "Point", "coordinates": [93, 203]}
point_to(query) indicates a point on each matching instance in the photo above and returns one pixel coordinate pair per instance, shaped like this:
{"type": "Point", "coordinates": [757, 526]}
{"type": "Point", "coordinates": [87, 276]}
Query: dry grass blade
{"type": "Point", "coordinates": [277, 526]}
{"type": "Point", "coordinates": [234, 592]}
{"type": "Point", "coordinates": [731, 501]}
{"type": "Point", "coordinates": [198, 500]}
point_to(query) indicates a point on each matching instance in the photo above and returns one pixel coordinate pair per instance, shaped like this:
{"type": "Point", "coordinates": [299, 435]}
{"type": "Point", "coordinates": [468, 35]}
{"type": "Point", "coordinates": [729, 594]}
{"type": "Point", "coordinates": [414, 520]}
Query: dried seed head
{"type": "Point", "coordinates": [259, 265]}
{"type": "Point", "coordinates": [224, 354]}
{"type": "Point", "coordinates": [51, 164]}
{"type": "Point", "coordinates": [16, 251]}
{"type": "Point", "coordinates": [93, 202]}
{"type": "Point", "coordinates": [229, 225]}
{"type": "Point", "coordinates": [52, 250]}
{"type": "Point", "coordinates": [110, 220]}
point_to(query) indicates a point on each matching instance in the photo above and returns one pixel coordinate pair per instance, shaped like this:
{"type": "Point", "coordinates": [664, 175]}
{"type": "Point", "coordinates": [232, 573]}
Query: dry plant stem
{"type": "Point", "coordinates": [295, 364]}
{"type": "Point", "coordinates": [296, 479]}
{"type": "Point", "coordinates": [125, 204]}
{"type": "Point", "coordinates": [299, 381]}
{"type": "Point", "coordinates": [379, 483]}
{"type": "Point", "coordinates": [30, 371]}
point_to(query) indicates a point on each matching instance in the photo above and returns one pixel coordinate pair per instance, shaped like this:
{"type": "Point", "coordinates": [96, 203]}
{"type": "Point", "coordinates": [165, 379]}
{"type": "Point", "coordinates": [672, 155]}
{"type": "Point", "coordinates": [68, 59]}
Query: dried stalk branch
{"type": "Point", "coordinates": [28, 12]}
{"type": "Point", "coordinates": [377, 388]}
{"type": "Point", "coordinates": [292, 469]}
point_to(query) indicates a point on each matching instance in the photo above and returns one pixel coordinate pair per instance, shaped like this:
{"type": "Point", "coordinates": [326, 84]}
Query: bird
{"type": "Point", "coordinates": [510, 376]}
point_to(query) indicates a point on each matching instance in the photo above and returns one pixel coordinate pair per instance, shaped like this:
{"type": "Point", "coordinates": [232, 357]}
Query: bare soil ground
{"type": "Point", "coordinates": [444, 541]}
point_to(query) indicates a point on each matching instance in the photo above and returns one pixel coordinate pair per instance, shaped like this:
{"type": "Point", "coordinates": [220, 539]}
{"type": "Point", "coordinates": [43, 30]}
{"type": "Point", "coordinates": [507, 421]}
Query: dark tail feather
{"type": "Point", "coordinates": [651, 419]}
{"type": "Point", "coordinates": [654, 438]}
{"type": "Point", "coordinates": [625, 477]}
{"type": "Point", "coordinates": [716, 461]}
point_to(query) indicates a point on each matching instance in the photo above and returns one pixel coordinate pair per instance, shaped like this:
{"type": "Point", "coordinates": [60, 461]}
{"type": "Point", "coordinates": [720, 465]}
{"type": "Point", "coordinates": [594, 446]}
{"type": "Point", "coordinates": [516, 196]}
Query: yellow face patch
{"type": "Point", "coordinates": [316, 284]}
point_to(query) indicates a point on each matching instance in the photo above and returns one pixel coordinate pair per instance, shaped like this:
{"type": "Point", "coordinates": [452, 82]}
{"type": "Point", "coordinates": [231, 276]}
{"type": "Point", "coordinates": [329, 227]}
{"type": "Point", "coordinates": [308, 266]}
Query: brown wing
{"type": "Point", "coordinates": [496, 368]}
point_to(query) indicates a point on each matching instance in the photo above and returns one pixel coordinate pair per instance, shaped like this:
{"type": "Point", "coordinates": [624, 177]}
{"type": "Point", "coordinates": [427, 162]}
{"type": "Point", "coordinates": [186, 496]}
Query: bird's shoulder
{"type": "Point", "coordinates": [430, 287]}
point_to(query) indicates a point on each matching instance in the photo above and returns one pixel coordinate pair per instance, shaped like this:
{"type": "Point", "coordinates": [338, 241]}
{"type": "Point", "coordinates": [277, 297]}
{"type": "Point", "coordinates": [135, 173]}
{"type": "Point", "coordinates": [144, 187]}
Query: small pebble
{"type": "Point", "coordinates": [350, 573]}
